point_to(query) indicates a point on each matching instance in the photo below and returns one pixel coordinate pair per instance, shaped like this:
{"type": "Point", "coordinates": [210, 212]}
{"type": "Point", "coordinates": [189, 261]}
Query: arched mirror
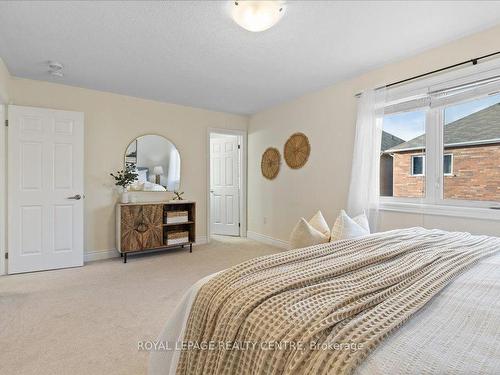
{"type": "Point", "coordinates": [156, 161]}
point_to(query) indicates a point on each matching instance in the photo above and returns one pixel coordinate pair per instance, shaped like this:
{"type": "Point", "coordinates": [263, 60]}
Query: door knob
{"type": "Point", "coordinates": [76, 197]}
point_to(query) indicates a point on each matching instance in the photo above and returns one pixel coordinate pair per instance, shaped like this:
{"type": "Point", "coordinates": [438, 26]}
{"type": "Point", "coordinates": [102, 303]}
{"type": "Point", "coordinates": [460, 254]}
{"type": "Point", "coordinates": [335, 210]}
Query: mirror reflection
{"type": "Point", "coordinates": [156, 161]}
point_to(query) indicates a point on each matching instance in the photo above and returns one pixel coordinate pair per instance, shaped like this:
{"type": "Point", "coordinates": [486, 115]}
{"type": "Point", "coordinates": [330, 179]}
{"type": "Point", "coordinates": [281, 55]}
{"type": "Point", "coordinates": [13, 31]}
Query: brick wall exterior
{"type": "Point", "coordinates": [476, 174]}
{"type": "Point", "coordinates": [404, 184]}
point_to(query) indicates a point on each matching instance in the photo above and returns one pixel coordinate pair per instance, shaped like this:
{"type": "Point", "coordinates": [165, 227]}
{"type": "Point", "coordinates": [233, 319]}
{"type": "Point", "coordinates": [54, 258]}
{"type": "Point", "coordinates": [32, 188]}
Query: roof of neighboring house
{"type": "Point", "coordinates": [480, 127]}
{"type": "Point", "coordinates": [389, 140]}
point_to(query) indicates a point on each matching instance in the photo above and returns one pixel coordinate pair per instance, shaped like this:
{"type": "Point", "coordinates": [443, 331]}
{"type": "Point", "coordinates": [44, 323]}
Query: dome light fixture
{"type": "Point", "coordinates": [257, 15]}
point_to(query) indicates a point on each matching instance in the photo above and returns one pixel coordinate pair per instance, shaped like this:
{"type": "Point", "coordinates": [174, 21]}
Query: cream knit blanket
{"type": "Point", "coordinates": [322, 309]}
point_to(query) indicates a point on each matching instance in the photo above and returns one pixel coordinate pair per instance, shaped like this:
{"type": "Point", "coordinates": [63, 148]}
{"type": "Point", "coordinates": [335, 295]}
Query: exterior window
{"type": "Point", "coordinates": [471, 132]}
{"type": "Point", "coordinates": [445, 152]}
{"type": "Point", "coordinates": [448, 164]}
{"type": "Point", "coordinates": [417, 165]}
{"type": "Point", "coordinates": [402, 160]}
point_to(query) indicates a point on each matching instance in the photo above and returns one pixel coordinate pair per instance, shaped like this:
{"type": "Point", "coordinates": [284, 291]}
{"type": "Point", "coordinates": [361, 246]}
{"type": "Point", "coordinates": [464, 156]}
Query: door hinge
{"type": "Point", "coordinates": [6, 122]}
{"type": "Point", "coordinates": [6, 255]}
{"type": "Point", "coordinates": [239, 225]}
{"type": "Point", "coordinates": [239, 146]}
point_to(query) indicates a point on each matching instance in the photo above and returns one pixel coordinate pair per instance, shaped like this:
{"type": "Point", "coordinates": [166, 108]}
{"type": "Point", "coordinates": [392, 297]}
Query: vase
{"type": "Point", "coordinates": [124, 196]}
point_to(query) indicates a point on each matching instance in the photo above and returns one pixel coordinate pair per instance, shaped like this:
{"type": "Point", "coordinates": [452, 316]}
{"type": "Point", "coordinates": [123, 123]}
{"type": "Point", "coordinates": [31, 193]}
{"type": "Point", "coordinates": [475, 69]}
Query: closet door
{"type": "Point", "coordinates": [45, 189]}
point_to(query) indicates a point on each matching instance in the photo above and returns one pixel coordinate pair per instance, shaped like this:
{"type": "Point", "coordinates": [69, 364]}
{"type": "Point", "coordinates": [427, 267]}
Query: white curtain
{"type": "Point", "coordinates": [174, 171]}
{"type": "Point", "coordinates": [364, 189]}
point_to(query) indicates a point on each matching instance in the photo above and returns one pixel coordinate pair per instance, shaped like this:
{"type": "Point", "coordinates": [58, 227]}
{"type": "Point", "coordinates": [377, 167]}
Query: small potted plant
{"type": "Point", "coordinates": [123, 179]}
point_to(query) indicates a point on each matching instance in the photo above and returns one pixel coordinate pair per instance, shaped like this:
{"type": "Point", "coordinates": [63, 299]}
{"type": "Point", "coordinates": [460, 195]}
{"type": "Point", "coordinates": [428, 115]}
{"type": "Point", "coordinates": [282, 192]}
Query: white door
{"type": "Point", "coordinates": [45, 189]}
{"type": "Point", "coordinates": [224, 185]}
{"type": "Point", "coordinates": [3, 187]}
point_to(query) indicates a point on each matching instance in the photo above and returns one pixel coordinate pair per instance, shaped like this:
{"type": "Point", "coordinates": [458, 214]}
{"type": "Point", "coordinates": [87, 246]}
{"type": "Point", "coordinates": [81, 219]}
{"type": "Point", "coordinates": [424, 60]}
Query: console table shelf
{"type": "Point", "coordinates": [171, 224]}
{"type": "Point", "coordinates": [141, 227]}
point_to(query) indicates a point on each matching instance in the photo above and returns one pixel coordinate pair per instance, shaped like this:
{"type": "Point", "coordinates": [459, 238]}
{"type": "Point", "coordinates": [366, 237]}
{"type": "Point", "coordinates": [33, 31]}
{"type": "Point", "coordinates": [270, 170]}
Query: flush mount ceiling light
{"type": "Point", "coordinates": [257, 15]}
{"type": "Point", "coordinates": [56, 69]}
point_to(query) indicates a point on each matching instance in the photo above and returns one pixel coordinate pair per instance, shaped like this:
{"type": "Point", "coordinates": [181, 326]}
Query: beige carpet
{"type": "Point", "coordinates": [88, 320]}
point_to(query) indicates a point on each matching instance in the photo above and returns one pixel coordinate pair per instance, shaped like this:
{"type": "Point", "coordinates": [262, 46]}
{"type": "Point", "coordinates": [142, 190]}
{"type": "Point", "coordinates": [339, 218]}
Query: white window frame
{"type": "Point", "coordinates": [451, 164]}
{"type": "Point", "coordinates": [412, 165]}
{"type": "Point", "coordinates": [434, 202]}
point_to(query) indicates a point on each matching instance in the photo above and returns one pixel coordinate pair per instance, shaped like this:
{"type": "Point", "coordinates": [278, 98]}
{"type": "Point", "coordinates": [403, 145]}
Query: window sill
{"type": "Point", "coordinates": [442, 210]}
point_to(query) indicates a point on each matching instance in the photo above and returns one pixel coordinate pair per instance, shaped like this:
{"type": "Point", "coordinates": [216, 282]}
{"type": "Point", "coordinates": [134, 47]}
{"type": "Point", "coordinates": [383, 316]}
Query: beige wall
{"type": "Point", "coordinates": [111, 123]}
{"type": "Point", "coordinates": [4, 82]}
{"type": "Point", "coordinates": [328, 117]}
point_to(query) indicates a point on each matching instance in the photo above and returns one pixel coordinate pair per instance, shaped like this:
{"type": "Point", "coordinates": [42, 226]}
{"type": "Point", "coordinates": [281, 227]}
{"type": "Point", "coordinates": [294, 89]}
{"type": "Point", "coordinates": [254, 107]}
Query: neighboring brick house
{"type": "Point", "coordinates": [386, 167]}
{"type": "Point", "coordinates": [471, 160]}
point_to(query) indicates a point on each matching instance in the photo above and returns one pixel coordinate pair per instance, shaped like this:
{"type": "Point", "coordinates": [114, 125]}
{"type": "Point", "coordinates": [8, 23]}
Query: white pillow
{"type": "Point", "coordinates": [304, 235]}
{"type": "Point", "coordinates": [345, 227]}
{"type": "Point", "coordinates": [319, 223]}
{"type": "Point", "coordinates": [362, 220]}
{"type": "Point", "coordinates": [141, 175]}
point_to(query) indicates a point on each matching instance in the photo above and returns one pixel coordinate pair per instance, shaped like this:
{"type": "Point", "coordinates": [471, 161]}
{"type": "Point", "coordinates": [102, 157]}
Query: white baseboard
{"type": "Point", "coordinates": [201, 240]}
{"type": "Point", "coordinates": [267, 239]}
{"type": "Point", "coordinates": [91, 256]}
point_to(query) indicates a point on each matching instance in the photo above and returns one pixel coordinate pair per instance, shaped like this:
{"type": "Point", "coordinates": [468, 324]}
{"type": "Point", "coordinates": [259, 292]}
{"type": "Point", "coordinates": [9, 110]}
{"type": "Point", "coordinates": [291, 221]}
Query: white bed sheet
{"type": "Point", "coordinates": [165, 362]}
{"type": "Point", "coordinates": [151, 186]}
{"type": "Point", "coordinates": [458, 332]}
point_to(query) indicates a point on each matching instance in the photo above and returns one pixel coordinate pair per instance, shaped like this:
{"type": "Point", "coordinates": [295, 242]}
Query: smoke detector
{"type": "Point", "coordinates": [56, 69]}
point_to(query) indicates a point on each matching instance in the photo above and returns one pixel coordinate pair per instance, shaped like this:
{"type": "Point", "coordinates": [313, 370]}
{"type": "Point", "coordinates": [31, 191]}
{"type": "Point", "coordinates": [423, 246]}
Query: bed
{"type": "Point", "coordinates": [143, 183]}
{"type": "Point", "coordinates": [419, 301]}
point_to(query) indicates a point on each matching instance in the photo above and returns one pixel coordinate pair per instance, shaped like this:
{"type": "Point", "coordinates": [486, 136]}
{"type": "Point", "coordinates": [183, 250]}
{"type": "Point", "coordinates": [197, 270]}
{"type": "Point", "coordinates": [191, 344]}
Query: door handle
{"type": "Point", "coordinates": [76, 197]}
{"type": "Point", "coordinates": [211, 191]}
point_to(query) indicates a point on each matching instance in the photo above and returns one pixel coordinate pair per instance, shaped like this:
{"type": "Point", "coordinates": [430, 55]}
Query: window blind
{"type": "Point", "coordinates": [443, 90]}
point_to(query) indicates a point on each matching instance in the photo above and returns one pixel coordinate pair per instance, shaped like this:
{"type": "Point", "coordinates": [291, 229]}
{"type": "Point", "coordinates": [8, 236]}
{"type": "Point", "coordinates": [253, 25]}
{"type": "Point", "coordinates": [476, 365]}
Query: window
{"type": "Point", "coordinates": [471, 131]}
{"type": "Point", "coordinates": [448, 164]}
{"type": "Point", "coordinates": [417, 165]}
{"type": "Point", "coordinates": [442, 147]}
{"type": "Point", "coordinates": [402, 160]}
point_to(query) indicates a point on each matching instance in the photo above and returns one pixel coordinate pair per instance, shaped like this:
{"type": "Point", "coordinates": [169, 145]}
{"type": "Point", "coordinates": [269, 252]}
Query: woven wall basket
{"type": "Point", "coordinates": [270, 163]}
{"type": "Point", "coordinates": [297, 150]}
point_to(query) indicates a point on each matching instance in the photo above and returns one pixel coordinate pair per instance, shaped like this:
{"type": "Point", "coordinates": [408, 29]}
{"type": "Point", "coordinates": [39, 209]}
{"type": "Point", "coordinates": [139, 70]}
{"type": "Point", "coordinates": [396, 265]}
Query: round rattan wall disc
{"type": "Point", "coordinates": [270, 163]}
{"type": "Point", "coordinates": [297, 150]}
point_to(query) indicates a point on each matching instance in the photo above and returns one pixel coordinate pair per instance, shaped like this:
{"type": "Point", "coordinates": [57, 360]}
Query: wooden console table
{"type": "Point", "coordinates": [143, 226]}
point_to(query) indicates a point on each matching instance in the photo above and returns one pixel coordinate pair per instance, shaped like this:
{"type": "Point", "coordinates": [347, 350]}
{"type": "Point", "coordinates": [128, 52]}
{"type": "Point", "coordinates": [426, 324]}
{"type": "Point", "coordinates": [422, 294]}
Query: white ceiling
{"type": "Point", "coordinates": [192, 53]}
